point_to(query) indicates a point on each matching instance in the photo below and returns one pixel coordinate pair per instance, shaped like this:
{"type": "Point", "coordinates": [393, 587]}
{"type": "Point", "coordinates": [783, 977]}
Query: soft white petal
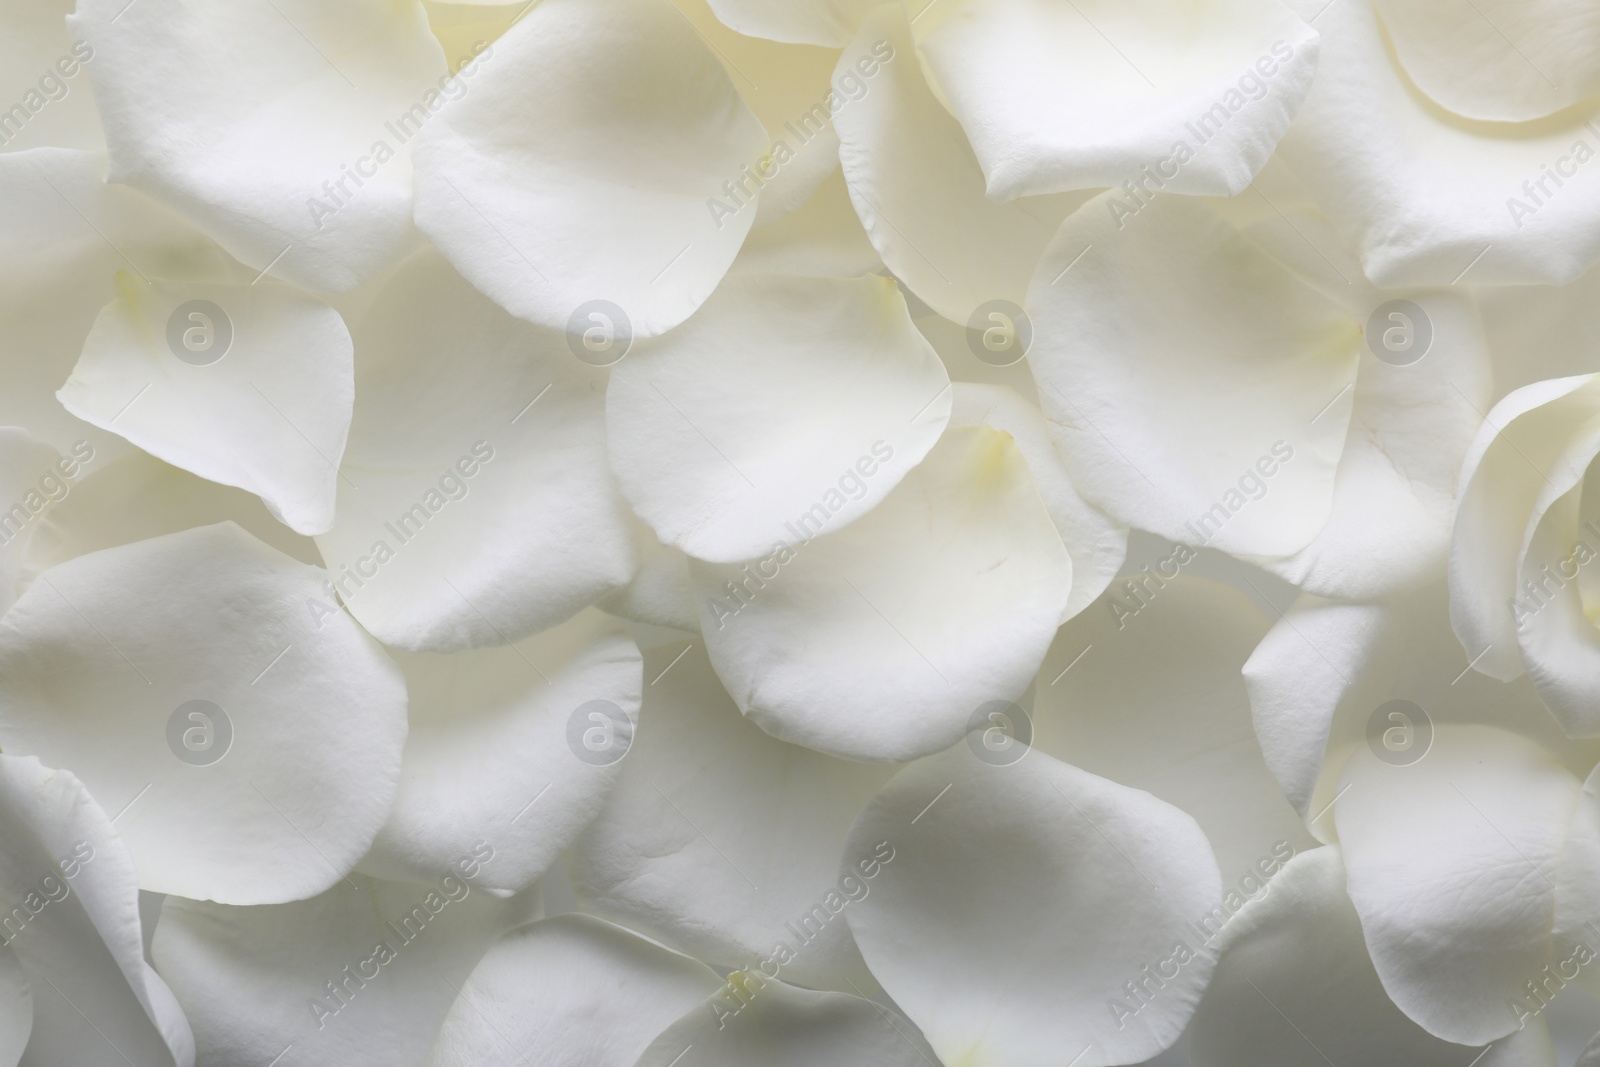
{"type": "Point", "coordinates": [820, 22]}
{"type": "Point", "coordinates": [475, 504]}
{"type": "Point", "coordinates": [879, 641]}
{"type": "Point", "coordinates": [360, 976]}
{"type": "Point", "coordinates": [918, 188]}
{"type": "Point", "coordinates": [821, 238]}
{"type": "Point", "coordinates": [1295, 986]}
{"type": "Point", "coordinates": [1430, 198]}
{"type": "Point", "coordinates": [41, 71]}
{"type": "Point", "coordinates": [782, 393]}
{"type": "Point", "coordinates": [261, 121]}
{"type": "Point", "coordinates": [1088, 95]}
{"type": "Point", "coordinates": [572, 989]}
{"type": "Point", "coordinates": [73, 929]}
{"type": "Point", "coordinates": [1495, 59]}
{"type": "Point", "coordinates": [34, 477]}
{"type": "Point", "coordinates": [1097, 543]}
{"type": "Point", "coordinates": [16, 1009]}
{"type": "Point", "coordinates": [1451, 863]}
{"type": "Point", "coordinates": [222, 747]}
{"type": "Point", "coordinates": [723, 841]}
{"type": "Point", "coordinates": [247, 384]}
{"type": "Point", "coordinates": [1208, 403]}
{"type": "Point", "coordinates": [1182, 732]}
{"type": "Point", "coordinates": [490, 751]}
{"type": "Point", "coordinates": [511, 187]}
{"type": "Point", "coordinates": [661, 593]}
{"type": "Point", "coordinates": [753, 1020]}
{"type": "Point", "coordinates": [1016, 900]}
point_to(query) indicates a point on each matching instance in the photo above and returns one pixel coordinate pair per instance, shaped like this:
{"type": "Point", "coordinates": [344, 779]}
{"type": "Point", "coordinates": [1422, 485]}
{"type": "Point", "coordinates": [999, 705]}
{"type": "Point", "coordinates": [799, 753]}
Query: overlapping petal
{"type": "Point", "coordinates": [495, 751]}
{"type": "Point", "coordinates": [279, 127]}
{"type": "Point", "coordinates": [222, 747]}
{"type": "Point", "coordinates": [475, 504]}
{"type": "Point", "coordinates": [510, 186]}
{"type": "Point", "coordinates": [878, 641]}
{"type": "Point", "coordinates": [1096, 882]}
{"type": "Point", "coordinates": [781, 393]}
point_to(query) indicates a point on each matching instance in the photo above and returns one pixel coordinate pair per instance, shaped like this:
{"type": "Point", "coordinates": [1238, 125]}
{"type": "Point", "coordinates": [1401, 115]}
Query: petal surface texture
{"type": "Point", "coordinates": [223, 746]}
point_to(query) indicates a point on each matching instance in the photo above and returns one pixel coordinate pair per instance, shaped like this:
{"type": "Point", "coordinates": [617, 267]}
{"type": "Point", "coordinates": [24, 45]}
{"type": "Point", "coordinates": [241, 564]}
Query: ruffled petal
{"type": "Point", "coordinates": [73, 930]}
{"type": "Point", "coordinates": [1098, 93]}
{"type": "Point", "coordinates": [501, 518]}
{"type": "Point", "coordinates": [221, 747]}
{"type": "Point", "coordinates": [879, 641]}
{"type": "Point", "coordinates": [1096, 884]}
{"type": "Point", "coordinates": [723, 841]}
{"type": "Point", "coordinates": [821, 22]}
{"type": "Point", "coordinates": [718, 449]}
{"type": "Point", "coordinates": [279, 127]}
{"type": "Point", "coordinates": [510, 187]}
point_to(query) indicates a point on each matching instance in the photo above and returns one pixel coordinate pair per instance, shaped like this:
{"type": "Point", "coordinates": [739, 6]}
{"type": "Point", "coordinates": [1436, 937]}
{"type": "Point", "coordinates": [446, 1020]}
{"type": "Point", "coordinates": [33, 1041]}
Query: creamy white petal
{"type": "Point", "coordinates": [821, 22]}
{"type": "Point", "coordinates": [768, 1022]}
{"type": "Point", "coordinates": [878, 641]}
{"type": "Point", "coordinates": [511, 188]}
{"type": "Point", "coordinates": [1494, 59]}
{"type": "Point", "coordinates": [247, 384]}
{"type": "Point", "coordinates": [490, 751]}
{"type": "Point", "coordinates": [571, 989]}
{"type": "Point", "coordinates": [222, 747]}
{"type": "Point", "coordinates": [16, 1009]}
{"type": "Point", "coordinates": [919, 189]}
{"type": "Point", "coordinates": [723, 841]}
{"type": "Point", "coordinates": [1183, 731]}
{"type": "Point", "coordinates": [33, 479]}
{"type": "Point", "coordinates": [1208, 403]}
{"type": "Point", "coordinates": [660, 593]}
{"type": "Point", "coordinates": [72, 928]}
{"type": "Point", "coordinates": [475, 504]}
{"type": "Point", "coordinates": [1295, 986]}
{"type": "Point", "coordinates": [41, 72]}
{"type": "Point", "coordinates": [1097, 543]}
{"type": "Point", "coordinates": [821, 238]}
{"type": "Point", "coordinates": [1085, 96]}
{"type": "Point", "coordinates": [781, 393]}
{"type": "Point", "coordinates": [1532, 447]}
{"type": "Point", "coordinates": [1014, 902]}
{"type": "Point", "coordinates": [137, 497]}
{"type": "Point", "coordinates": [1451, 865]}
{"type": "Point", "coordinates": [261, 122]}
{"type": "Point", "coordinates": [360, 976]}
{"type": "Point", "coordinates": [1430, 198]}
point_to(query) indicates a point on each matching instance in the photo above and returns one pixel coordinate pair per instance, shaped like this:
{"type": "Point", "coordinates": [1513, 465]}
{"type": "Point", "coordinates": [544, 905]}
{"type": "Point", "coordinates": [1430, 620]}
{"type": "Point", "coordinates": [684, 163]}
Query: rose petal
{"type": "Point", "coordinates": [1056, 99]}
{"type": "Point", "coordinates": [723, 841]}
{"type": "Point", "coordinates": [73, 929]}
{"type": "Point", "coordinates": [249, 385]}
{"type": "Point", "coordinates": [879, 641]}
{"type": "Point", "coordinates": [721, 453]}
{"type": "Point", "coordinates": [1094, 880]}
{"type": "Point", "coordinates": [502, 518]}
{"type": "Point", "coordinates": [487, 756]}
{"type": "Point", "coordinates": [572, 989]}
{"type": "Point", "coordinates": [822, 22]}
{"type": "Point", "coordinates": [1207, 404]}
{"type": "Point", "coordinates": [288, 719]}
{"type": "Point", "coordinates": [41, 68]}
{"type": "Point", "coordinates": [262, 123]}
{"type": "Point", "coordinates": [519, 200]}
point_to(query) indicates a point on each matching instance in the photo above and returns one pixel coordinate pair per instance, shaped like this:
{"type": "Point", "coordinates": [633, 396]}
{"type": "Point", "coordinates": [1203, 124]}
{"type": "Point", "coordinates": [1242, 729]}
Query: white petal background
{"type": "Point", "coordinates": [814, 533]}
